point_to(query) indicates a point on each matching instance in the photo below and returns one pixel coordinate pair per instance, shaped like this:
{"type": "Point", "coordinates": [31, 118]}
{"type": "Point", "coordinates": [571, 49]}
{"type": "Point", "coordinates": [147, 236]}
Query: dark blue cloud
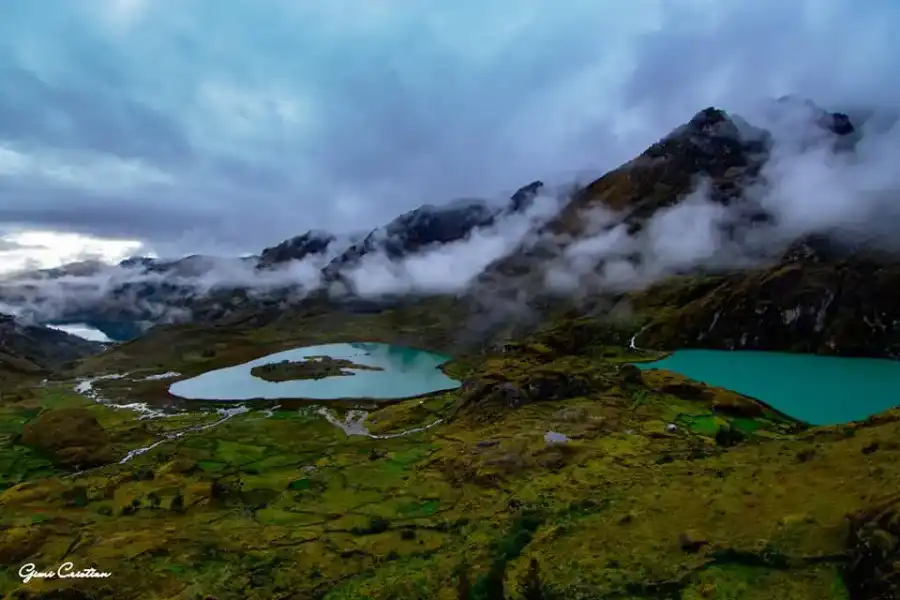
{"type": "Point", "coordinates": [85, 116]}
{"type": "Point", "coordinates": [251, 122]}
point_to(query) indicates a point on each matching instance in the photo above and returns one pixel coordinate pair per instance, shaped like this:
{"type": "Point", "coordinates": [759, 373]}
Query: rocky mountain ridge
{"type": "Point", "coordinates": [721, 155]}
{"type": "Point", "coordinates": [143, 291]}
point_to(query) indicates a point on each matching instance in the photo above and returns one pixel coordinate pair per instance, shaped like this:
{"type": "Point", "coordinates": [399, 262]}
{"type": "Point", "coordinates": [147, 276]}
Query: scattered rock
{"type": "Point", "coordinates": [655, 429]}
{"type": "Point", "coordinates": [553, 438]}
{"type": "Point", "coordinates": [627, 518]}
{"type": "Point", "coordinates": [487, 443]}
{"type": "Point", "coordinates": [873, 547]}
{"type": "Point", "coordinates": [554, 457]}
{"type": "Point", "coordinates": [514, 504]}
{"type": "Point", "coordinates": [177, 503]}
{"type": "Point", "coordinates": [870, 448]}
{"type": "Point", "coordinates": [727, 436]}
{"type": "Point", "coordinates": [806, 455]}
{"type": "Point", "coordinates": [511, 395]}
{"type": "Point", "coordinates": [691, 542]}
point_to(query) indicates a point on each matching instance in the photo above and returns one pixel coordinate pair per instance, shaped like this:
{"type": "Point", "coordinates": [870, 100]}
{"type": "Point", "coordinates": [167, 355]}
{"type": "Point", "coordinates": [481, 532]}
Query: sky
{"type": "Point", "coordinates": [171, 127]}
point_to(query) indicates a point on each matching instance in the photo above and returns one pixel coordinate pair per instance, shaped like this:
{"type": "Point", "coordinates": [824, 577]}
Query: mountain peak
{"type": "Point", "coordinates": [312, 242]}
{"type": "Point", "coordinates": [712, 137]}
{"type": "Point", "coordinates": [524, 197]}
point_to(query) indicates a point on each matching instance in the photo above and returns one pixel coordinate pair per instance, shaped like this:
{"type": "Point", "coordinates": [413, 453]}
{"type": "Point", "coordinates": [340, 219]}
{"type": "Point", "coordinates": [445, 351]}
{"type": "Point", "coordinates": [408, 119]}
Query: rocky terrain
{"type": "Point", "coordinates": [314, 367]}
{"type": "Point", "coordinates": [815, 294]}
{"type": "Point", "coordinates": [558, 470]}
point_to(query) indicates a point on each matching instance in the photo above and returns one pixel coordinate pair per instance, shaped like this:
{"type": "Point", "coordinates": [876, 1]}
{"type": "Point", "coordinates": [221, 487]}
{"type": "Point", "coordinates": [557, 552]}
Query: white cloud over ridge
{"type": "Point", "coordinates": [256, 121]}
{"type": "Point", "coordinates": [188, 130]}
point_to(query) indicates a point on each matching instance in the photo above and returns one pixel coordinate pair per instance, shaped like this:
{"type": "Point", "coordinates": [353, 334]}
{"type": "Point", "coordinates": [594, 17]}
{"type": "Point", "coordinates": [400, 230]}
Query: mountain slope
{"type": "Point", "coordinates": [31, 350]}
{"type": "Point", "coordinates": [614, 237]}
{"type": "Point", "coordinates": [804, 303]}
{"type": "Point", "coordinates": [721, 155]}
{"type": "Point", "coordinates": [758, 290]}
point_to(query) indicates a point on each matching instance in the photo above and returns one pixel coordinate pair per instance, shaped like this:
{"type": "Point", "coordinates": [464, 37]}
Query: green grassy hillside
{"type": "Point", "coordinates": [658, 491]}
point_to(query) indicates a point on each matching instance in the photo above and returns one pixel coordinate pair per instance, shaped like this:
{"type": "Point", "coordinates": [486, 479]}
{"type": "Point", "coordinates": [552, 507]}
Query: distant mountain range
{"type": "Point", "coordinates": [122, 300]}
{"type": "Point", "coordinates": [727, 307]}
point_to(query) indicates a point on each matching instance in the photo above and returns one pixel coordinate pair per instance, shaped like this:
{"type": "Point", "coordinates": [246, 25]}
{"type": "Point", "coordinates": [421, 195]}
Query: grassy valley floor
{"type": "Point", "coordinates": [732, 502]}
{"type": "Point", "coordinates": [555, 471]}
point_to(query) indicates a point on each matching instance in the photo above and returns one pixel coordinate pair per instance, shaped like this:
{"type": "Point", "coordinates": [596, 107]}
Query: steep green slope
{"type": "Point", "coordinates": [29, 351]}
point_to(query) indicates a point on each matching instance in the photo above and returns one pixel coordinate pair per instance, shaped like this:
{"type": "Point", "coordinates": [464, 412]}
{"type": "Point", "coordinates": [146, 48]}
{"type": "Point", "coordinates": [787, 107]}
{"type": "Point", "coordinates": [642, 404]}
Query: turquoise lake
{"type": "Point", "coordinates": [406, 372]}
{"type": "Point", "coordinates": [820, 390]}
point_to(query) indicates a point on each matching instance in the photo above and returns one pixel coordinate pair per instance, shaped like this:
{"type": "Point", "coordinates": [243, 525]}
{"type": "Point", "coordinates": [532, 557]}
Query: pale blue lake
{"type": "Point", "coordinates": [407, 372]}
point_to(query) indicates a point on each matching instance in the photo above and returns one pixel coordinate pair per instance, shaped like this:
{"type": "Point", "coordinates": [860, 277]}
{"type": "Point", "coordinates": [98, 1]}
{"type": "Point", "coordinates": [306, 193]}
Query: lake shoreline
{"type": "Point", "coordinates": [818, 390]}
{"type": "Point", "coordinates": [386, 373]}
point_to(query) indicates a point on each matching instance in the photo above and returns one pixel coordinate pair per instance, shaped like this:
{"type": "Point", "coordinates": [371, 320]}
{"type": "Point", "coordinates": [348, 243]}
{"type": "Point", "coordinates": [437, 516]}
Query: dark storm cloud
{"type": "Point", "coordinates": [240, 123]}
{"type": "Point", "coordinates": [84, 116]}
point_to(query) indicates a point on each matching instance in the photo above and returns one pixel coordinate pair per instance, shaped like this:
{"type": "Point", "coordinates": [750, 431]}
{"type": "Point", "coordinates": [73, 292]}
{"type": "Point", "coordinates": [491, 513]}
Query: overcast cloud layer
{"type": "Point", "coordinates": [226, 126]}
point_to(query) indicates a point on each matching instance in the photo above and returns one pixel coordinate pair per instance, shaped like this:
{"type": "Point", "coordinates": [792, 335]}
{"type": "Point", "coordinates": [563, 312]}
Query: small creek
{"type": "Point", "coordinates": [404, 373]}
{"type": "Point", "coordinates": [820, 390]}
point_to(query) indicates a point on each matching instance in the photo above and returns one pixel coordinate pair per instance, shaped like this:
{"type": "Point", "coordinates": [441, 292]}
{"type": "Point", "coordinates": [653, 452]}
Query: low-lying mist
{"type": "Point", "coordinates": [811, 183]}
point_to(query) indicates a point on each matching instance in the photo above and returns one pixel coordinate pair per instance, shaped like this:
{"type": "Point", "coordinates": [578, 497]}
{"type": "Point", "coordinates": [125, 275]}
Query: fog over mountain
{"type": "Point", "coordinates": [124, 120]}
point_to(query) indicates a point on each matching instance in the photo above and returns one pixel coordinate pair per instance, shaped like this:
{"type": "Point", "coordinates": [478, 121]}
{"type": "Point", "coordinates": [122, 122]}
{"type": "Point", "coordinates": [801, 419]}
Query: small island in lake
{"type": "Point", "coordinates": [314, 367]}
